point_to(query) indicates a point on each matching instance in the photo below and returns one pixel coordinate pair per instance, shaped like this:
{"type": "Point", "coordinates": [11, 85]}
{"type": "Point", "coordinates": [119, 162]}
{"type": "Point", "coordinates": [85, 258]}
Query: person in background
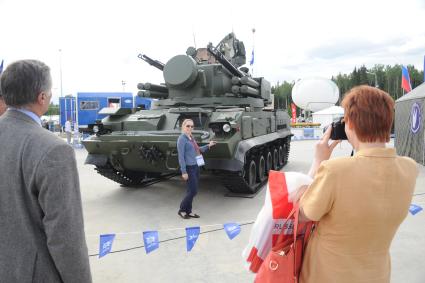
{"type": "Point", "coordinates": [41, 218]}
{"type": "Point", "coordinates": [189, 154]}
{"type": "Point", "coordinates": [68, 130]}
{"type": "Point", "coordinates": [359, 201]}
{"type": "Point", "coordinates": [44, 124]}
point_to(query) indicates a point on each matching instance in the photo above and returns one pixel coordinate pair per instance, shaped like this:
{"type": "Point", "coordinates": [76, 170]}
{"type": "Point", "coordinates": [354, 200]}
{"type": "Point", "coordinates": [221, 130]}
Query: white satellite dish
{"type": "Point", "coordinates": [314, 94]}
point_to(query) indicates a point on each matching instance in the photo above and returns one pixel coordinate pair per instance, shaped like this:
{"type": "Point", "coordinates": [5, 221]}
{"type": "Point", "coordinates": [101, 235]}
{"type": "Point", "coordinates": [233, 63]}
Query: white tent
{"type": "Point", "coordinates": [328, 115]}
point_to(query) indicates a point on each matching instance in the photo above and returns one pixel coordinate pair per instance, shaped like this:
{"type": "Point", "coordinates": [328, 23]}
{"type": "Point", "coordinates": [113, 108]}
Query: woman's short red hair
{"type": "Point", "coordinates": [370, 111]}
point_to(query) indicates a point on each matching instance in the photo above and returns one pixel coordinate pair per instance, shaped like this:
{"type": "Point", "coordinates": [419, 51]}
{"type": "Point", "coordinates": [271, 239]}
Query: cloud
{"type": "Point", "coordinates": [100, 40]}
{"type": "Point", "coordinates": [355, 47]}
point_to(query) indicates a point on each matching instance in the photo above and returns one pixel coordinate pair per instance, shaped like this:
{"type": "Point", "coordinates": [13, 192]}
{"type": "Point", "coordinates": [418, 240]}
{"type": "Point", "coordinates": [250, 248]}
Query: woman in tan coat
{"type": "Point", "coordinates": [359, 201]}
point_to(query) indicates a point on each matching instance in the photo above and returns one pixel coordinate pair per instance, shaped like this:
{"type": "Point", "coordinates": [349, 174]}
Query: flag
{"type": "Point", "coordinates": [232, 229]}
{"type": "Point", "coordinates": [151, 241]}
{"type": "Point", "coordinates": [271, 219]}
{"type": "Point", "coordinates": [105, 244]}
{"type": "Point", "coordinates": [405, 79]}
{"type": "Point", "coordinates": [1, 66]}
{"type": "Point", "coordinates": [192, 234]}
{"type": "Point", "coordinates": [252, 58]}
{"type": "Point", "coordinates": [413, 209]}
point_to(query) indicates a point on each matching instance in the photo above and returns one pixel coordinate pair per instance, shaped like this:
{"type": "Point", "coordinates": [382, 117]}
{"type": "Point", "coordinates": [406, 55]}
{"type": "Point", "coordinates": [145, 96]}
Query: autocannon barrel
{"type": "Point", "coordinates": [157, 64]}
{"type": "Point", "coordinates": [220, 58]}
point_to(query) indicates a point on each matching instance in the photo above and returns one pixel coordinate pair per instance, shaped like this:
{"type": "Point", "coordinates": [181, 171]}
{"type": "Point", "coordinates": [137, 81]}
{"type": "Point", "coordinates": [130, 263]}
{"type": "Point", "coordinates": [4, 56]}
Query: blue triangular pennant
{"type": "Point", "coordinates": [414, 208]}
{"type": "Point", "coordinates": [105, 244]}
{"type": "Point", "coordinates": [192, 234]}
{"type": "Point", "coordinates": [232, 229]}
{"type": "Point", "coordinates": [151, 240]}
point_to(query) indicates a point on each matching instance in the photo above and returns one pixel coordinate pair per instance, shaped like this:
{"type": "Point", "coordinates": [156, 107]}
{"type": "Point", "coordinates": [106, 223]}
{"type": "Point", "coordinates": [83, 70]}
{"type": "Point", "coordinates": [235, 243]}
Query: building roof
{"type": "Point", "coordinates": [330, 111]}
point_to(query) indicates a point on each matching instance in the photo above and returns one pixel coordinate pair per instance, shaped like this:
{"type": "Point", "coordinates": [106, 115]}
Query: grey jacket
{"type": "Point", "coordinates": [41, 221]}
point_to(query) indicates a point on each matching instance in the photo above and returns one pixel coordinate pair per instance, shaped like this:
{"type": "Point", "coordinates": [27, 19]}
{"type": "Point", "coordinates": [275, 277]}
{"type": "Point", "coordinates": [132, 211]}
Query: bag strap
{"type": "Point", "coordinates": [295, 234]}
{"type": "Point", "coordinates": [308, 231]}
{"type": "Point", "coordinates": [307, 234]}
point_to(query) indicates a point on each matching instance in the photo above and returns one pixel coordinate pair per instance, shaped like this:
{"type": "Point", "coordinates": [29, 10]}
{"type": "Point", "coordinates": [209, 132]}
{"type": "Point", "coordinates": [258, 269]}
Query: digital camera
{"type": "Point", "coordinates": [338, 130]}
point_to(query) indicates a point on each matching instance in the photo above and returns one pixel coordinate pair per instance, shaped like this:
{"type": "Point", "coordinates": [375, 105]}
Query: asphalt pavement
{"type": "Point", "coordinates": [127, 212]}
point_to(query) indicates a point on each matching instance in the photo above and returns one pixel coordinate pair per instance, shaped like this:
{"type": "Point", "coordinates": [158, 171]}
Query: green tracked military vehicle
{"type": "Point", "coordinates": [210, 86]}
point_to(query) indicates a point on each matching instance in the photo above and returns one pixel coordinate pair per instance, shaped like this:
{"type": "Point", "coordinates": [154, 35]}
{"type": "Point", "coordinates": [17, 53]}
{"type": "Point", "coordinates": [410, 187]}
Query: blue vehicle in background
{"type": "Point", "coordinates": [142, 103]}
{"type": "Point", "coordinates": [90, 103]}
{"type": "Point", "coordinates": [67, 110]}
{"type": "Point", "coordinates": [84, 109]}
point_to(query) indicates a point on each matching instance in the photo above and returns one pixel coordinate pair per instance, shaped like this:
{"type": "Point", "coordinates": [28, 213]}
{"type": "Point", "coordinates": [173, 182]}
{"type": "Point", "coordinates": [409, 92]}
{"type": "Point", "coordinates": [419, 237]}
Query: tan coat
{"type": "Point", "coordinates": [360, 202]}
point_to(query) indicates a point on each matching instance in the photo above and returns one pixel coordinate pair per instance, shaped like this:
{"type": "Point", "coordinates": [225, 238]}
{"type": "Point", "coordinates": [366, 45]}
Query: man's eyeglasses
{"type": "Point", "coordinates": [189, 126]}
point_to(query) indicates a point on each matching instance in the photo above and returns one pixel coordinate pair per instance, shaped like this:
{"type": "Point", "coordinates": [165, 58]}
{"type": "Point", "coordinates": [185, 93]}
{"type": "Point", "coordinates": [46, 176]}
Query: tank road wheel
{"type": "Point", "coordinates": [281, 156]}
{"type": "Point", "coordinates": [286, 148]}
{"type": "Point", "coordinates": [251, 174]}
{"type": "Point", "coordinates": [275, 159]}
{"type": "Point", "coordinates": [261, 172]}
{"type": "Point", "coordinates": [244, 181]}
{"type": "Point", "coordinates": [269, 161]}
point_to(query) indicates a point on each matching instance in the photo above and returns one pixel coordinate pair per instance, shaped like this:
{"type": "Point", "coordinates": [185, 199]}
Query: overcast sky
{"type": "Point", "coordinates": [100, 40]}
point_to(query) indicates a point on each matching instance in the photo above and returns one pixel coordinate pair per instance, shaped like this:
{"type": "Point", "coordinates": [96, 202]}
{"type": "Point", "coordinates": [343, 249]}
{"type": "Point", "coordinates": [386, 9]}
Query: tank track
{"type": "Point", "coordinates": [127, 181]}
{"type": "Point", "coordinates": [287, 144]}
{"type": "Point", "coordinates": [236, 183]}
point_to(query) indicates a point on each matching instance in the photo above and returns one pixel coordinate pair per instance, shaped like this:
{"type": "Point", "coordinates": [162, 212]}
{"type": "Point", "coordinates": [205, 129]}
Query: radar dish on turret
{"type": "Point", "coordinates": [314, 94]}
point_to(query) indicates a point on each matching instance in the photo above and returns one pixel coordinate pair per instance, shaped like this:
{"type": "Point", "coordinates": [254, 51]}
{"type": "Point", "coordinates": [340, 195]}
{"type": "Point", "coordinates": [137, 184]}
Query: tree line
{"type": "Point", "coordinates": [53, 109]}
{"type": "Point", "coordinates": [387, 78]}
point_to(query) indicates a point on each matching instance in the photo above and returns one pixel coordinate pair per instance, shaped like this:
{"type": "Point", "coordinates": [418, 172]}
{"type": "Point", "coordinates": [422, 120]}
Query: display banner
{"type": "Point", "coordinates": [105, 244]}
{"type": "Point", "coordinates": [192, 234]}
{"type": "Point", "coordinates": [232, 229]}
{"type": "Point", "coordinates": [294, 113]}
{"type": "Point", "coordinates": [151, 240]}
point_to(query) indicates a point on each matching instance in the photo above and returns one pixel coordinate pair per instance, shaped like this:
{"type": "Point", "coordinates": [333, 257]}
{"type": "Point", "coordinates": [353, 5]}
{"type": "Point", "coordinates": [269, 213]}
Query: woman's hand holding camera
{"type": "Point", "coordinates": [323, 148]}
{"type": "Point", "coordinates": [323, 151]}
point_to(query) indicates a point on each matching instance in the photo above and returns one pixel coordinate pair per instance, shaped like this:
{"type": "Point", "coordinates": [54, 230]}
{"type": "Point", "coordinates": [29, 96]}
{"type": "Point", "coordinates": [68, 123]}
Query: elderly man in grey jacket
{"type": "Point", "coordinates": [42, 231]}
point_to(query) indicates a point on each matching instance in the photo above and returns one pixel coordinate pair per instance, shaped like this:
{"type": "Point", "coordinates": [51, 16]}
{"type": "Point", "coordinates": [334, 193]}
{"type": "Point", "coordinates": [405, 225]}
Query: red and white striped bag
{"type": "Point", "coordinates": [281, 189]}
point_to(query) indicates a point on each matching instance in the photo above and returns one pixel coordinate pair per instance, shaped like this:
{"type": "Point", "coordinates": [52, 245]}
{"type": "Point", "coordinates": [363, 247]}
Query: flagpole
{"type": "Point", "coordinates": [253, 45]}
{"type": "Point", "coordinates": [60, 70]}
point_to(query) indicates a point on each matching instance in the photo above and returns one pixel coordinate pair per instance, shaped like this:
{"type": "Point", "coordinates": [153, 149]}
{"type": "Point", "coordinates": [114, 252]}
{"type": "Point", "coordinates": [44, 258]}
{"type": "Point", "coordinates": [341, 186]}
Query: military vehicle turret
{"type": "Point", "coordinates": [228, 105]}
